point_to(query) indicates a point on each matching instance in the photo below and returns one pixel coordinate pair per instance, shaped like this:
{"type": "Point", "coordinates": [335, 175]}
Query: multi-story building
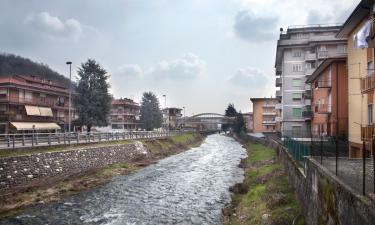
{"type": "Point", "coordinates": [248, 117]}
{"type": "Point", "coordinates": [329, 111]}
{"type": "Point", "coordinates": [299, 51]}
{"type": "Point", "coordinates": [361, 77]}
{"type": "Point", "coordinates": [31, 103]}
{"type": "Point", "coordinates": [171, 116]}
{"type": "Point", "coordinates": [124, 114]}
{"type": "Point", "coordinates": [264, 115]}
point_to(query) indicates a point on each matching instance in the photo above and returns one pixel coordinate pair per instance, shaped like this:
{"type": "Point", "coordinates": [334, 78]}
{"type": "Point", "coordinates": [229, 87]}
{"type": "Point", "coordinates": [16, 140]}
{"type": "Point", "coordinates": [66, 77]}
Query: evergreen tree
{"type": "Point", "coordinates": [151, 115]}
{"type": "Point", "coordinates": [92, 100]}
{"type": "Point", "coordinates": [230, 111]}
{"type": "Point", "coordinates": [239, 125]}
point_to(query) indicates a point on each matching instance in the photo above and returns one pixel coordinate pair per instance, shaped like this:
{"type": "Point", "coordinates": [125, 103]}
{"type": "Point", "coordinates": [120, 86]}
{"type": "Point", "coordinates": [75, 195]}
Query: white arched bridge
{"type": "Point", "coordinates": [205, 121]}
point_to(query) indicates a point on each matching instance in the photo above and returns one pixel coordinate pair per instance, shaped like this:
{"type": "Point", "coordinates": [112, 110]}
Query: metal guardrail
{"type": "Point", "coordinates": [12, 141]}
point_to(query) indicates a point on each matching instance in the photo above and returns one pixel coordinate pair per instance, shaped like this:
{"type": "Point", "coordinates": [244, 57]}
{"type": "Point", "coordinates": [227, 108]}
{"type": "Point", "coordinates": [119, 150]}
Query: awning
{"type": "Point", "coordinates": [45, 111]}
{"type": "Point", "coordinates": [32, 110]}
{"type": "Point", "coordinates": [35, 126]}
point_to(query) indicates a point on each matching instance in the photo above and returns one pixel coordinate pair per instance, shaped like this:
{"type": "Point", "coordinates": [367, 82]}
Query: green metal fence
{"type": "Point", "coordinates": [297, 149]}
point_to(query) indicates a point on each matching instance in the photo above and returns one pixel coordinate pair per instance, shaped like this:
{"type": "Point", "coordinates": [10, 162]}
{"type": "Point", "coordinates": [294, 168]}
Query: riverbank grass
{"type": "Point", "coordinates": [266, 196]}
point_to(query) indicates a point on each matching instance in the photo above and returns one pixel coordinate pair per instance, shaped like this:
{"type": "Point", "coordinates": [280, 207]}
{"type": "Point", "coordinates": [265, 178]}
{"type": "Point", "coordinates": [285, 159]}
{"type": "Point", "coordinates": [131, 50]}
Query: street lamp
{"type": "Point", "coordinates": [70, 92]}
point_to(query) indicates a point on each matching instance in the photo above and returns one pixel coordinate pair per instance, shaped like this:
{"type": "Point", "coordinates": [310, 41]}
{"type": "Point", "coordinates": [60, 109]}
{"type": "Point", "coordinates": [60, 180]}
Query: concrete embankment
{"type": "Point", "coordinates": [44, 176]}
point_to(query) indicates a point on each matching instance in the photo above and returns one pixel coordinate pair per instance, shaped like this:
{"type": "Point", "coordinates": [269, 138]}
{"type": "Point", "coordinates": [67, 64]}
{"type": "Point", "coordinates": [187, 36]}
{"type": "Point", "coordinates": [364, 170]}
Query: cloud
{"type": "Point", "coordinates": [251, 27]}
{"type": "Point", "coordinates": [249, 77]}
{"type": "Point", "coordinates": [130, 71]}
{"type": "Point", "coordinates": [54, 27]}
{"type": "Point", "coordinates": [186, 67]}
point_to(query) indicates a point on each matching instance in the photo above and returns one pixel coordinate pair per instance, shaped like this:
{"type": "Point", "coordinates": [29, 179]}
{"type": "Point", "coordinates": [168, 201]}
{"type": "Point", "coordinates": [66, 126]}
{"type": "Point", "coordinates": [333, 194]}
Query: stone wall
{"type": "Point", "coordinates": [325, 200]}
{"type": "Point", "coordinates": [29, 170]}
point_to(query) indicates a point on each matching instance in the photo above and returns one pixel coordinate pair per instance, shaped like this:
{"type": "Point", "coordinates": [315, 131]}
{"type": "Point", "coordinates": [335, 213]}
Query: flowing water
{"type": "Point", "coordinates": [188, 188]}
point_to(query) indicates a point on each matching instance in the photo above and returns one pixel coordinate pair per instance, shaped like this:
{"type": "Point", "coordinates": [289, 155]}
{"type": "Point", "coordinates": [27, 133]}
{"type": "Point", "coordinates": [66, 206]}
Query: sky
{"type": "Point", "coordinates": [201, 54]}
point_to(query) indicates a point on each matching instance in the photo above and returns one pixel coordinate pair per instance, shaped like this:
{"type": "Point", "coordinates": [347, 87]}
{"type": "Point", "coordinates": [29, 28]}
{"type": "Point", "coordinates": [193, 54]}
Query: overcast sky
{"type": "Point", "coordinates": [202, 54]}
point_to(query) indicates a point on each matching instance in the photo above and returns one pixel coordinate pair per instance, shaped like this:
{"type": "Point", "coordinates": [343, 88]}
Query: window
{"type": "Point", "coordinates": [370, 67]}
{"type": "Point", "coordinates": [3, 108]}
{"type": "Point", "coordinates": [297, 54]}
{"type": "Point", "coordinates": [297, 67]}
{"type": "Point", "coordinates": [341, 49]}
{"type": "Point", "coordinates": [297, 112]}
{"type": "Point", "coordinates": [369, 114]}
{"type": "Point", "coordinates": [296, 96]}
{"type": "Point", "coordinates": [296, 82]}
{"type": "Point", "coordinates": [3, 93]}
{"type": "Point", "coordinates": [322, 48]}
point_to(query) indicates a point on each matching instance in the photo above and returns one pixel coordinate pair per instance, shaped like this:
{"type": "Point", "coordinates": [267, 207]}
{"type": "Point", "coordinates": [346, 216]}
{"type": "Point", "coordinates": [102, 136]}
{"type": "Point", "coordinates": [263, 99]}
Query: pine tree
{"type": "Point", "coordinates": [229, 112]}
{"type": "Point", "coordinates": [239, 125]}
{"type": "Point", "coordinates": [92, 100]}
{"type": "Point", "coordinates": [151, 115]}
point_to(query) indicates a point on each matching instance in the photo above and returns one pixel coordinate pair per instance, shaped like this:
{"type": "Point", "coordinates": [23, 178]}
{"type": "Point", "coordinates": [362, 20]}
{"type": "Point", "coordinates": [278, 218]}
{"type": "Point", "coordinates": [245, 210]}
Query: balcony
{"type": "Point", "coordinates": [278, 70]}
{"type": "Point", "coordinates": [278, 119]}
{"type": "Point", "coordinates": [269, 122]}
{"type": "Point", "coordinates": [367, 132]}
{"type": "Point", "coordinates": [310, 56]}
{"type": "Point", "coordinates": [307, 113]}
{"type": "Point", "coordinates": [368, 83]}
{"type": "Point", "coordinates": [323, 84]}
{"type": "Point", "coordinates": [269, 113]}
{"type": "Point", "coordinates": [307, 101]}
{"type": "Point", "coordinates": [309, 71]}
{"type": "Point", "coordinates": [269, 105]}
{"type": "Point", "coordinates": [35, 101]}
{"type": "Point", "coordinates": [279, 94]}
{"type": "Point", "coordinates": [307, 94]}
{"type": "Point", "coordinates": [323, 108]}
{"type": "Point", "coordinates": [278, 106]}
{"type": "Point", "coordinates": [322, 54]}
{"type": "Point", "coordinates": [278, 82]}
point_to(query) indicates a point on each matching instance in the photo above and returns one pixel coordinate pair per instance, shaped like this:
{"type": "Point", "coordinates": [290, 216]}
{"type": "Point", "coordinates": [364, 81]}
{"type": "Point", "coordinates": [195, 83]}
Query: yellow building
{"type": "Point", "coordinates": [361, 81]}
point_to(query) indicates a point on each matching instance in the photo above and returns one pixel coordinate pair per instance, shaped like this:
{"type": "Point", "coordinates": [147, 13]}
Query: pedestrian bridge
{"type": "Point", "coordinates": [205, 121]}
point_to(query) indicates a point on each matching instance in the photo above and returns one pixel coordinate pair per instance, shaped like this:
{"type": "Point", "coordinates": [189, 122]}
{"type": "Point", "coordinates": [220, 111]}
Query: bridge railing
{"type": "Point", "coordinates": [12, 141]}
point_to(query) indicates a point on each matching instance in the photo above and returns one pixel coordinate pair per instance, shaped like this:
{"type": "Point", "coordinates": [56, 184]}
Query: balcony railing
{"type": "Point", "coordinates": [278, 94]}
{"type": "Point", "coordinates": [269, 105]}
{"type": "Point", "coordinates": [368, 83]}
{"type": "Point", "coordinates": [322, 54]}
{"type": "Point", "coordinates": [323, 108]}
{"type": "Point", "coordinates": [269, 122]}
{"type": "Point", "coordinates": [367, 132]}
{"type": "Point", "coordinates": [269, 113]}
{"type": "Point", "coordinates": [309, 71]}
{"type": "Point", "coordinates": [35, 101]}
{"type": "Point", "coordinates": [307, 94]}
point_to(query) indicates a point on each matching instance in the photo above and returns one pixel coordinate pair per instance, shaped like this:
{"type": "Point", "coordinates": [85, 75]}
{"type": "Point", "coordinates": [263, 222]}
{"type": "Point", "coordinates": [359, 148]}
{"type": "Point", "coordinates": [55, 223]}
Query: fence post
{"type": "Point", "coordinates": [364, 168]}
{"type": "Point", "coordinates": [32, 140]}
{"type": "Point", "coordinates": [23, 139]}
{"type": "Point", "coordinates": [13, 140]}
{"type": "Point", "coordinates": [77, 138]}
{"type": "Point", "coordinates": [36, 139]}
{"type": "Point", "coordinates": [64, 138]}
{"type": "Point", "coordinates": [49, 139]}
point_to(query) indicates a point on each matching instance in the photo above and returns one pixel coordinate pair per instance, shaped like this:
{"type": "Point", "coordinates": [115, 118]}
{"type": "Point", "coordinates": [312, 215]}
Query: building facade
{"type": "Point", "coordinates": [361, 79]}
{"type": "Point", "coordinates": [300, 50]}
{"type": "Point", "coordinates": [125, 114]}
{"type": "Point", "coordinates": [329, 108]}
{"type": "Point", "coordinates": [248, 117]}
{"type": "Point", "coordinates": [171, 116]}
{"type": "Point", "coordinates": [264, 115]}
{"type": "Point", "coordinates": [30, 103]}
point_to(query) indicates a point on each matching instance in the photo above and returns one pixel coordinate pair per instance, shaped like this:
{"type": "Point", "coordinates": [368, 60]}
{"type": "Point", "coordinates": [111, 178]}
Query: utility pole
{"type": "Point", "coordinates": [70, 93]}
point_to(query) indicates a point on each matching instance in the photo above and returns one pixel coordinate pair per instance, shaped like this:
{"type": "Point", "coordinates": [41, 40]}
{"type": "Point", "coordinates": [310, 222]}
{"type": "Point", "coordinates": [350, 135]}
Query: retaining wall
{"type": "Point", "coordinates": [325, 200]}
{"type": "Point", "coordinates": [29, 170]}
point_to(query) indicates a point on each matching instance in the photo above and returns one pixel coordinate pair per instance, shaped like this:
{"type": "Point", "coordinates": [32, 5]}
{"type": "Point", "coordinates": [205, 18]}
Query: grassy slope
{"type": "Point", "coordinates": [266, 191]}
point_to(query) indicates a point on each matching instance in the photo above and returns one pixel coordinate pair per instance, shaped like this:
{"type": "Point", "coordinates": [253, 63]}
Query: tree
{"type": "Point", "coordinates": [151, 115]}
{"type": "Point", "coordinates": [230, 112]}
{"type": "Point", "coordinates": [239, 124]}
{"type": "Point", "coordinates": [92, 100]}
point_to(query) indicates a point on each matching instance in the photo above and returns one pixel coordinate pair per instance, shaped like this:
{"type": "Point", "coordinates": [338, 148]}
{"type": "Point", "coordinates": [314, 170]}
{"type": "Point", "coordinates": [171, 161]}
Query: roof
{"type": "Point", "coordinates": [32, 82]}
{"type": "Point", "coordinates": [260, 99]}
{"type": "Point", "coordinates": [323, 66]}
{"type": "Point", "coordinates": [360, 12]}
{"type": "Point", "coordinates": [124, 101]}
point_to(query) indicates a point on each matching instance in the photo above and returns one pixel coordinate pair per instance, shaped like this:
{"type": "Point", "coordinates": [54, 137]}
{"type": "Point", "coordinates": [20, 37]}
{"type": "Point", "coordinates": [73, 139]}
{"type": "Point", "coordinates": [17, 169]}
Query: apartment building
{"type": "Point", "coordinates": [125, 114]}
{"type": "Point", "coordinates": [171, 116]}
{"type": "Point", "coordinates": [31, 103]}
{"type": "Point", "coordinates": [264, 115]}
{"type": "Point", "coordinates": [329, 86]}
{"type": "Point", "coordinates": [300, 50]}
{"type": "Point", "coordinates": [248, 117]}
{"type": "Point", "coordinates": [361, 78]}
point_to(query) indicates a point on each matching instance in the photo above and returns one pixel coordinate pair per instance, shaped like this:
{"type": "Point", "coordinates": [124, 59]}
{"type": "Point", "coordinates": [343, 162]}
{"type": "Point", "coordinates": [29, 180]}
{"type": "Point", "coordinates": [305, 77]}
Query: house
{"type": "Point", "coordinates": [264, 115]}
{"type": "Point", "coordinates": [361, 79]}
{"type": "Point", "coordinates": [31, 103]}
{"type": "Point", "coordinates": [300, 50]}
{"type": "Point", "coordinates": [329, 107]}
{"type": "Point", "coordinates": [248, 117]}
{"type": "Point", "coordinates": [125, 114]}
{"type": "Point", "coordinates": [171, 116]}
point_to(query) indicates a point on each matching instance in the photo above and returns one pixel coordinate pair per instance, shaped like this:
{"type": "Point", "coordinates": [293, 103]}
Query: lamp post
{"type": "Point", "coordinates": [165, 101]}
{"type": "Point", "coordinates": [70, 92]}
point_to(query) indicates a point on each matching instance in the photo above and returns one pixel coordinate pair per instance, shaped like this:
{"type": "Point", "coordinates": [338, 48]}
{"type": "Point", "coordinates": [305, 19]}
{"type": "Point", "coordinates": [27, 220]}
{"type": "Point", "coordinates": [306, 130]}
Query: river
{"type": "Point", "coordinates": [188, 188]}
